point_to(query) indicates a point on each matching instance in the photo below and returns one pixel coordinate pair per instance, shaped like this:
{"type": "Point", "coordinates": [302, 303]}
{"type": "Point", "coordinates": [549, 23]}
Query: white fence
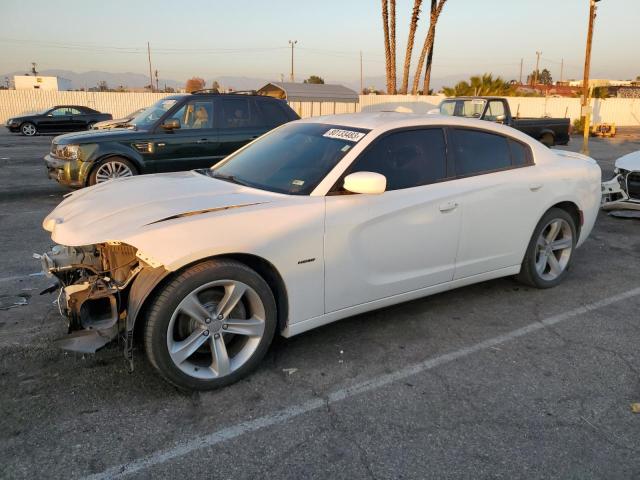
{"type": "Point", "coordinates": [621, 111]}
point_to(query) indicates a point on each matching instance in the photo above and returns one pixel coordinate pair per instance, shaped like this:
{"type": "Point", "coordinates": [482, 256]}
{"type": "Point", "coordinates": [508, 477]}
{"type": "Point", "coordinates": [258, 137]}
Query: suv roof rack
{"type": "Point", "coordinates": [203, 91]}
{"type": "Point", "coordinates": [215, 91]}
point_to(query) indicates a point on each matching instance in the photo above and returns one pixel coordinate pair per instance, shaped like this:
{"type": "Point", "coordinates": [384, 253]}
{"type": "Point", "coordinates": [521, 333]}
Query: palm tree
{"type": "Point", "coordinates": [427, 47]}
{"type": "Point", "coordinates": [477, 85]}
{"type": "Point", "coordinates": [413, 25]}
{"type": "Point", "coordinates": [387, 46]}
{"type": "Point", "coordinates": [393, 46]}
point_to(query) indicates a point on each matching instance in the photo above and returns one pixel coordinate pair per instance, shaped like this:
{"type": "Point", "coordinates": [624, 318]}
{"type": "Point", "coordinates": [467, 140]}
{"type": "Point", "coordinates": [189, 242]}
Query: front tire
{"type": "Point", "coordinates": [550, 250]}
{"type": "Point", "coordinates": [211, 325]}
{"type": "Point", "coordinates": [110, 168]}
{"type": "Point", "coordinates": [548, 140]}
{"type": "Point", "coordinates": [28, 129]}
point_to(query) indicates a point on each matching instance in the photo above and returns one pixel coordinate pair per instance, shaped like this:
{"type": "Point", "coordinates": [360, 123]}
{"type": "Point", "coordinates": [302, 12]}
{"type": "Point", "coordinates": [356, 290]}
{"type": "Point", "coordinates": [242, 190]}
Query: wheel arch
{"type": "Point", "coordinates": [147, 285]}
{"type": "Point", "coordinates": [572, 209]}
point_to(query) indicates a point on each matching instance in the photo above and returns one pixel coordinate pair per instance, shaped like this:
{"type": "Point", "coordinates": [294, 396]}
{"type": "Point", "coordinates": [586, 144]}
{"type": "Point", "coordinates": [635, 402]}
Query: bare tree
{"type": "Point", "coordinates": [427, 47]}
{"type": "Point", "coordinates": [415, 16]}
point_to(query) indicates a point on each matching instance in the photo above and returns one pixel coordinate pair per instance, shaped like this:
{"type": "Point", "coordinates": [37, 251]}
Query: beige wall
{"type": "Point", "coordinates": [621, 111]}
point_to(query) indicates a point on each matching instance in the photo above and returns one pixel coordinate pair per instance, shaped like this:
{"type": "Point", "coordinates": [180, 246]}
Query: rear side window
{"type": "Point", "coordinates": [520, 154]}
{"type": "Point", "coordinates": [479, 152]}
{"type": "Point", "coordinates": [272, 113]}
{"type": "Point", "coordinates": [407, 158]}
{"type": "Point", "coordinates": [238, 113]}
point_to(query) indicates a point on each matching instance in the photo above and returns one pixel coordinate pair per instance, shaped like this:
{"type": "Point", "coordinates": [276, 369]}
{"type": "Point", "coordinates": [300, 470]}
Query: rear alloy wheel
{"type": "Point", "coordinates": [28, 129]}
{"type": "Point", "coordinates": [550, 250]}
{"type": "Point", "coordinates": [111, 168]}
{"type": "Point", "coordinates": [211, 326]}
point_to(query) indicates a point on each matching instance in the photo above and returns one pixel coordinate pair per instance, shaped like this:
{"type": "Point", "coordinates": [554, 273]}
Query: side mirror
{"type": "Point", "coordinates": [500, 118]}
{"type": "Point", "coordinates": [365, 182]}
{"type": "Point", "coordinates": [171, 124]}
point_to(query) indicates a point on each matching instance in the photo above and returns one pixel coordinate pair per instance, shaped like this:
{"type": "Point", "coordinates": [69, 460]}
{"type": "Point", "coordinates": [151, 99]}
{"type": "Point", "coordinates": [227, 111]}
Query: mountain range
{"type": "Point", "coordinates": [138, 80]}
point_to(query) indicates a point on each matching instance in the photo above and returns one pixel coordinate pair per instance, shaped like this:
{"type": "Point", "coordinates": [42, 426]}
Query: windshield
{"type": "Point", "coordinates": [470, 108]}
{"type": "Point", "coordinates": [147, 117]}
{"type": "Point", "coordinates": [292, 159]}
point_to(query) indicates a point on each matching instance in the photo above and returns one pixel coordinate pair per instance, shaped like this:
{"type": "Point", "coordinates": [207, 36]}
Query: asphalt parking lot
{"type": "Point", "coordinates": [496, 380]}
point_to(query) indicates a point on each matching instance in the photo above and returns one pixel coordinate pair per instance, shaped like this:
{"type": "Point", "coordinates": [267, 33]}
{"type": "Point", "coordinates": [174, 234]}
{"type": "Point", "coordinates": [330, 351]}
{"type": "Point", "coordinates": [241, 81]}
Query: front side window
{"type": "Point", "coordinates": [407, 158]}
{"type": "Point", "coordinates": [62, 112]}
{"type": "Point", "coordinates": [195, 114]}
{"type": "Point", "coordinates": [293, 159]}
{"type": "Point", "coordinates": [478, 152]}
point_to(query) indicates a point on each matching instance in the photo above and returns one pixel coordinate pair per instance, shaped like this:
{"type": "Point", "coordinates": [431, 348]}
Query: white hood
{"type": "Point", "coordinates": [630, 161]}
{"type": "Point", "coordinates": [117, 209]}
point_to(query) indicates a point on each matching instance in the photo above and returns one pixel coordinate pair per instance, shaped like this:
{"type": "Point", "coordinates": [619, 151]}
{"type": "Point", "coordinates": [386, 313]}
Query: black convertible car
{"type": "Point", "coordinates": [61, 118]}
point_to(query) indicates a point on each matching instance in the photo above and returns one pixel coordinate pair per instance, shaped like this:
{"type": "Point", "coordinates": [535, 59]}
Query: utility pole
{"type": "Point", "coordinates": [536, 73]}
{"type": "Point", "coordinates": [150, 70]}
{"type": "Point", "coordinates": [521, 63]}
{"type": "Point", "coordinates": [586, 108]}
{"type": "Point", "coordinates": [562, 70]}
{"type": "Point", "coordinates": [157, 84]}
{"type": "Point", "coordinates": [293, 44]}
{"type": "Point", "coordinates": [361, 77]}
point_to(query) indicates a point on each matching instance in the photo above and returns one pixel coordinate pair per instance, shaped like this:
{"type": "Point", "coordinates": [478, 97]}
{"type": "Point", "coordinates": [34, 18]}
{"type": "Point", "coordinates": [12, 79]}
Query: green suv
{"type": "Point", "coordinates": [179, 132]}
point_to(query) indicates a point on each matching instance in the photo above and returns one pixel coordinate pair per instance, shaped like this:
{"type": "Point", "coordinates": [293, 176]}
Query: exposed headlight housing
{"type": "Point", "coordinates": [68, 152]}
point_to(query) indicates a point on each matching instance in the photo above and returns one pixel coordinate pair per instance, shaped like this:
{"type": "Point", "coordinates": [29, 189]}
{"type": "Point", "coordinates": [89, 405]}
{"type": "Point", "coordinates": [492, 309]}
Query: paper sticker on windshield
{"type": "Point", "coordinates": [344, 134]}
{"type": "Point", "coordinates": [297, 183]}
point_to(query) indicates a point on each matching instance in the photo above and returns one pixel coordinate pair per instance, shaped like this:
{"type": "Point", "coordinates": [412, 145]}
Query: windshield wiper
{"type": "Point", "coordinates": [228, 178]}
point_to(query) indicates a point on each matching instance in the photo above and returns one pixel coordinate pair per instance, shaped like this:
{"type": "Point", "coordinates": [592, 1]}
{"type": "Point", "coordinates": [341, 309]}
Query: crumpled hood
{"type": "Point", "coordinates": [120, 208]}
{"type": "Point", "coordinates": [631, 161]}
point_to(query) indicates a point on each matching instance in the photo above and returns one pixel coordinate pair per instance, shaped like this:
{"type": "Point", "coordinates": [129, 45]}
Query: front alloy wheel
{"type": "Point", "coordinates": [28, 129]}
{"type": "Point", "coordinates": [211, 325]}
{"type": "Point", "coordinates": [110, 169]}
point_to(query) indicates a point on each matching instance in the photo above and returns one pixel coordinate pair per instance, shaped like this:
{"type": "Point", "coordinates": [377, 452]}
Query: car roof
{"type": "Point", "coordinates": [383, 121]}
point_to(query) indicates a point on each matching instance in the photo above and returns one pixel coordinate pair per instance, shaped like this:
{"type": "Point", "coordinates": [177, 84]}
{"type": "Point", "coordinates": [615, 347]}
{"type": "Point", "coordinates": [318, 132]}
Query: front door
{"type": "Point", "coordinates": [193, 145]}
{"type": "Point", "coordinates": [405, 239]}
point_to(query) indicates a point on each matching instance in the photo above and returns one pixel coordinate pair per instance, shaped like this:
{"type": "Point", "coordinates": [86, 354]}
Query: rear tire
{"type": "Point", "coordinates": [550, 250]}
{"type": "Point", "coordinates": [28, 129]}
{"type": "Point", "coordinates": [90, 125]}
{"type": "Point", "coordinates": [211, 325]}
{"type": "Point", "coordinates": [548, 140]}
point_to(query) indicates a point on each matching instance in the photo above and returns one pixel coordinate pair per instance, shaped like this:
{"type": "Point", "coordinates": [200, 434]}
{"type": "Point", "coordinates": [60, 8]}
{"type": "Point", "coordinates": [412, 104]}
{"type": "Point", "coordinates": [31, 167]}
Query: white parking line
{"type": "Point", "coordinates": [21, 277]}
{"type": "Point", "coordinates": [182, 448]}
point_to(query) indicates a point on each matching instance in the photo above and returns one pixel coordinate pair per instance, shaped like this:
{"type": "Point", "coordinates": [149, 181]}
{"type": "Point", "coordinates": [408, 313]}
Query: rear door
{"type": "Point", "coordinates": [499, 194]}
{"type": "Point", "coordinates": [194, 144]}
{"type": "Point", "coordinates": [79, 118]}
{"type": "Point", "coordinates": [240, 123]}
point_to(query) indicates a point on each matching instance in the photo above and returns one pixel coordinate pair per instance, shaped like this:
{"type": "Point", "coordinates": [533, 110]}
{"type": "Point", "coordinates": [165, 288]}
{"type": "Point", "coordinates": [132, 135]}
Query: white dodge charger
{"type": "Point", "coordinates": [318, 220]}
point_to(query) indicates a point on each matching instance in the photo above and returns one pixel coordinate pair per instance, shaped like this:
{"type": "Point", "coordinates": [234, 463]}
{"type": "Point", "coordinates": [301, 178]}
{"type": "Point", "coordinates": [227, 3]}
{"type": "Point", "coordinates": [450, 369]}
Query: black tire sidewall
{"type": "Point", "coordinates": [174, 292]}
{"type": "Point", "coordinates": [530, 258]}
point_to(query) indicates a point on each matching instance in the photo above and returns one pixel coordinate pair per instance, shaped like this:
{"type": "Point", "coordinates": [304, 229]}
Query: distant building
{"type": "Point", "coordinates": [601, 82]}
{"type": "Point", "coordinates": [30, 82]}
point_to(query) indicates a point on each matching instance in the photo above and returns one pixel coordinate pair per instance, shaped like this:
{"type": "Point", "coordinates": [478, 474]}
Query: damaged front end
{"type": "Point", "coordinates": [623, 191]}
{"type": "Point", "coordinates": [94, 286]}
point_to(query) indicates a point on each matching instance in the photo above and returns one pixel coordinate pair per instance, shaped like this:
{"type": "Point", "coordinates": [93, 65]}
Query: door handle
{"type": "Point", "coordinates": [203, 140]}
{"type": "Point", "coordinates": [254, 137]}
{"type": "Point", "coordinates": [448, 207]}
{"type": "Point", "coordinates": [534, 187]}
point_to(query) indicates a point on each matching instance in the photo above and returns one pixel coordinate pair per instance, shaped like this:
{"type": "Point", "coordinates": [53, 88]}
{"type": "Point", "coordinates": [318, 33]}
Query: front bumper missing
{"type": "Point", "coordinates": [615, 197]}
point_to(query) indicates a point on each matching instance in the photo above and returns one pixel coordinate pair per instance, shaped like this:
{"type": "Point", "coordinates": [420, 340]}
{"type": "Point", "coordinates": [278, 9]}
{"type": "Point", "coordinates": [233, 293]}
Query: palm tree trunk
{"type": "Point", "coordinates": [387, 47]}
{"type": "Point", "coordinates": [427, 47]}
{"type": "Point", "coordinates": [393, 46]}
{"type": "Point", "coordinates": [427, 73]}
{"type": "Point", "coordinates": [415, 16]}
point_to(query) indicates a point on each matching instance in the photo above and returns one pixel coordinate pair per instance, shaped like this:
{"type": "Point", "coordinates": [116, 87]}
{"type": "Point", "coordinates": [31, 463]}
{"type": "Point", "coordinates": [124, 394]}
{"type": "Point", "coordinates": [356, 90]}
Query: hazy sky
{"type": "Point", "coordinates": [250, 38]}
